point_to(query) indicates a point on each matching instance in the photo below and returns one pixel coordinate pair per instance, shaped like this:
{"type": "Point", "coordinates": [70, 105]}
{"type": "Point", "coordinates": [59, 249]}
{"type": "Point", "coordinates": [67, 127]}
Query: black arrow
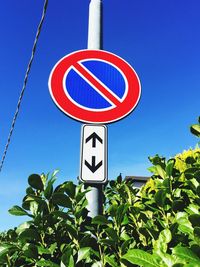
{"type": "Point", "coordinates": [94, 137]}
{"type": "Point", "coordinates": [93, 167]}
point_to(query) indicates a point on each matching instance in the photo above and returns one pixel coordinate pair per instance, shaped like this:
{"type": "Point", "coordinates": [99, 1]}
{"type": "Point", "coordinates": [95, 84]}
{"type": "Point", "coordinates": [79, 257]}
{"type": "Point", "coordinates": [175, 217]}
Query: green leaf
{"type": "Point", "coordinates": [42, 250]}
{"type": "Point", "coordinates": [97, 264]}
{"type": "Point", "coordinates": [152, 169]}
{"type": "Point", "coordinates": [36, 182]}
{"type": "Point", "coordinates": [160, 246]}
{"type": "Point", "coordinates": [184, 224]}
{"type": "Point", "coordinates": [111, 261]}
{"type": "Point", "coordinates": [196, 249]}
{"type": "Point", "coordinates": [34, 207]}
{"type": "Point", "coordinates": [197, 231]}
{"type": "Point", "coordinates": [192, 209]}
{"type": "Point", "coordinates": [112, 183]}
{"type": "Point", "coordinates": [100, 220]}
{"type": "Point", "coordinates": [144, 231]}
{"type": "Point", "coordinates": [67, 259]}
{"type": "Point", "coordinates": [165, 236]}
{"type": "Point", "coordinates": [53, 247]}
{"type": "Point", "coordinates": [166, 184]}
{"type": "Point", "coordinates": [30, 251]}
{"type": "Point", "coordinates": [169, 167]}
{"type": "Point", "coordinates": [198, 189]}
{"type": "Point", "coordinates": [81, 212]}
{"type": "Point", "coordinates": [107, 242]}
{"type": "Point", "coordinates": [49, 188]}
{"type": "Point", "coordinates": [186, 254]}
{"type": "Point", "coordinates": [141, 258]}
{"type": "Point", "coordinates": [22, 227]}
{"type": "Point", "coordinates": [191, 170]}
{"type": "Point", "coordinates": [194, 219]}
{"type": "Point", "coordinates": [190, 160]}
{"type": "Point", "coordinates": [62, 214]}
{"type": "Point", "coordinates": [160, 197]}
{"type": "Point", "coordinates": [192, 265]}
{"type": "Point", "coordinates": [61, 200]}
{"type": "Point", "coordinates": [112, 234]}
{"type": "Point", "coordinates": [197, 234]}
{"type": "Point", "coordinates": [125, 220]}
{"type": "Point", "coordinates": [6, 248]}
{"type": "Point", "coordinates": [125, 245]}
{"type": "Point", "coordinates": [178, 205]}
{"type": "Point", "coordinates": [83, 253]}
{"type": "Point", "coordinates": [29, 234]}
{"type": "Point", "coordinates": [120, 213]}
{"type": "Point", "coordinates": [119, 179]}
{"type": "Point", "coordinates": [70, 189]}
{"type": "Point", "coordinates": [45, 263]}
{"type": "Point", "coordinates": [30, 191]}
{"type": "Point", "coordinates": [17, 211]}
{"type": "Point", "coordinates": [195, 129]}
{"type": "Point", "coordinates": [197, 175]}
{"type": "Point", "coordinates": [188, 174]}
{"type": "Point", "coordinates": [80, 196]}
{"type": "Point", "coordinates": [71, 230]}
{"type": "Point", "coordinates": [36, 204]}
{"type": "Point", "coordinates": [157, 160]}
{"type": "Point", "coordinates": [160, 171]}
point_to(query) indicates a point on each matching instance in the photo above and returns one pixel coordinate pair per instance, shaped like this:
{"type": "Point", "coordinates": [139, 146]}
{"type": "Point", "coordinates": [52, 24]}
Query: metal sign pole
{"type": "Point", "coordinates": [95, 25]}
{"type": "Point", "coordinates": [94, 196]}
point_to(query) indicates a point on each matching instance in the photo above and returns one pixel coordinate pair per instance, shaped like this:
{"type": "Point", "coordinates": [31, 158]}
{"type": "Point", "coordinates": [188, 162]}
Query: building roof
{"type": "Point", "coordinates": [143, 179]}
{"type": "Point", "coordinates": [137, 181]}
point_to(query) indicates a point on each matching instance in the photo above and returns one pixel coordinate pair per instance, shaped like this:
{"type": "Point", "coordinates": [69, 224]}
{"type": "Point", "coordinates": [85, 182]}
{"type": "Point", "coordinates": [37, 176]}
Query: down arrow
{"type": "Point", "coordinates": [93, 167]}
{"type": "Point", "coordinates": [94, 137]}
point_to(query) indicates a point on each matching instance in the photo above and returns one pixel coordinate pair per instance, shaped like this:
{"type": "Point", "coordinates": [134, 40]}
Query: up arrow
{"type": "Point", "coordinates": [93, 167]}
{"type": "Point", "coordinates": [94, 137]}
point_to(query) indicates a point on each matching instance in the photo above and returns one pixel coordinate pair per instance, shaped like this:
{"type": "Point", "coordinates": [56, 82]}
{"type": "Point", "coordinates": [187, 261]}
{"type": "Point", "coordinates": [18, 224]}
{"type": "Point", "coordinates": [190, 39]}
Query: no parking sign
{"type": "Point", "coordinates": [97, 87]}
{"type": "Point", "coordinates": [94, 86]}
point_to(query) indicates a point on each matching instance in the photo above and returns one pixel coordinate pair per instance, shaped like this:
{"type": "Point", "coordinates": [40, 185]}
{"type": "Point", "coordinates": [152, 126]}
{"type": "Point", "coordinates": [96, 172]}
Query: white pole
{"type": "Point", "coordinates": [94, 27]}
{"type": "Point", "coordinates": [94, 196]}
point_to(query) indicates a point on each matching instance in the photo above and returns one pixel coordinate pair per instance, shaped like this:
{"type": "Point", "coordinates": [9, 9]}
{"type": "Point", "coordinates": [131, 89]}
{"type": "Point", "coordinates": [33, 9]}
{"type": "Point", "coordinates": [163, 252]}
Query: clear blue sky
{"type": "Point", "coordinates": [160, 39]}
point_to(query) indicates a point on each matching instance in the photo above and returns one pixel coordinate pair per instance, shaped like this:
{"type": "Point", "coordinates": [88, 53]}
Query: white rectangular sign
{"type": "Point", "coordinates": [93, 167]}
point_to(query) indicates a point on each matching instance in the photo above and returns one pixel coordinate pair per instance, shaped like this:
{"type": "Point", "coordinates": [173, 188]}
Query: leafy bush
{"type": "Point", "coordinates": [195, 128]}
{"type": "Point", "coordinates": [157, 225]}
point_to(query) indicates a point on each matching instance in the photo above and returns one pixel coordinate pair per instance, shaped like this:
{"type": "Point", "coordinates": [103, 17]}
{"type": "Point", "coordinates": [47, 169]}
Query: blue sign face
{"type": "Point", "coordinates": [82, 91]}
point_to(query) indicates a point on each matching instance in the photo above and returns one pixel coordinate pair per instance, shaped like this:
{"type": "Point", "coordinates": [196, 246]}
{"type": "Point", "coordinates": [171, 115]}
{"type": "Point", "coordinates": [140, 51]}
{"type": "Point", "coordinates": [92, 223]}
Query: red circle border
{"type": "Point", "coordinates": [69, 108]}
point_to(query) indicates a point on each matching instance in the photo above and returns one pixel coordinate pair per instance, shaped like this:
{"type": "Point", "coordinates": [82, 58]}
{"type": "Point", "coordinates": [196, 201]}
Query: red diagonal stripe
{"type": "Point", "coordinates": [96, 84]}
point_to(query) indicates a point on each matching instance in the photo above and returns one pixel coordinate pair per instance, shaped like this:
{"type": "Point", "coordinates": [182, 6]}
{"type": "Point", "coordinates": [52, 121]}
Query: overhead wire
{"type": "Point", "coordinates": [39, 28]}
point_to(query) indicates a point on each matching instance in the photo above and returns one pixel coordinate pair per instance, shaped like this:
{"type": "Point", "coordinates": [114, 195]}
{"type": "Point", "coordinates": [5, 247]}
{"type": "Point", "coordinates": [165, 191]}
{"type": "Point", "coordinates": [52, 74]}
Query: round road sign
{"type": "Point", "coordinates": [94, 86]}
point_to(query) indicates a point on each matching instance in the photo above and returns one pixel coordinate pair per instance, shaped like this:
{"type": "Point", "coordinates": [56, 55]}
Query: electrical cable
{"type": "Point", "coordinates": [39, 28]}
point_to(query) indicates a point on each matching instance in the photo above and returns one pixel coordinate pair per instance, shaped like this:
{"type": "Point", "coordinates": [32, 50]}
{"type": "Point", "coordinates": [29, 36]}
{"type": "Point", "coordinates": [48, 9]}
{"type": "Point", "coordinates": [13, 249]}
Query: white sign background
{"type": "Point", "coordinates": [96, 156]}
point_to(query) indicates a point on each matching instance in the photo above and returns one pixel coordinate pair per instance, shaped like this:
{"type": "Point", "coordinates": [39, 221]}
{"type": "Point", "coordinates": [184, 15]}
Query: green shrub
{"type": "Point", "coordinates": [157, 225]}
